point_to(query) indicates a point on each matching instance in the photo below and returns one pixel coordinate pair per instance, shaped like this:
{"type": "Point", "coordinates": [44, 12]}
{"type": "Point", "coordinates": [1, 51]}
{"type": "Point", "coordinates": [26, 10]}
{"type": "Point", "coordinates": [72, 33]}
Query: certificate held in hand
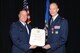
{"type": "Point", "coordinates": [37, 37]}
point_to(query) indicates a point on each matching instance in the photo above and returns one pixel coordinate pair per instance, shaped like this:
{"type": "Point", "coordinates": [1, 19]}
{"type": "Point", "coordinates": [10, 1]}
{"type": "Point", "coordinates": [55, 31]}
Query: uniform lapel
{"type": "Point", "coordinates": [21, 26]}
{"type": "Point", "coordinates": [55, 21]}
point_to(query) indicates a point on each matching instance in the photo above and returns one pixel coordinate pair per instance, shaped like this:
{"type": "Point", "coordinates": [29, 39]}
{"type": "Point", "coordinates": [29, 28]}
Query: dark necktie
{"type": "Point", "coordinates": [27, 28]}
{"type": "Point", "coordinates": [51, 21]}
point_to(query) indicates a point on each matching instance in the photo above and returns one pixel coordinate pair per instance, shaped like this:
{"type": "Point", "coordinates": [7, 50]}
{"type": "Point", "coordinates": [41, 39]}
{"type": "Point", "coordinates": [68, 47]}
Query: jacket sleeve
{"type": "Point", "coordinates": [14, 34]}
{"type": "Point", "coordinates": [63, 36]}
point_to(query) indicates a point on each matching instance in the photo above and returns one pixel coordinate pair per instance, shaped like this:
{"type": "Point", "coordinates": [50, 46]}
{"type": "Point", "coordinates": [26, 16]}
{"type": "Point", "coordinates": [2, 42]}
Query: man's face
{"type": "Point", "coordinates": [53, 9]}
{"type": "Point", "coordinates": [23, 16]}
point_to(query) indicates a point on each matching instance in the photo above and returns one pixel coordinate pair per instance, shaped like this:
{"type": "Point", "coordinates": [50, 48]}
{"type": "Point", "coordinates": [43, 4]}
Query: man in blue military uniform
{"type": "Point", "coordinates": [57, 31]}
{"type": "Point", "coordinates": [20, 34]}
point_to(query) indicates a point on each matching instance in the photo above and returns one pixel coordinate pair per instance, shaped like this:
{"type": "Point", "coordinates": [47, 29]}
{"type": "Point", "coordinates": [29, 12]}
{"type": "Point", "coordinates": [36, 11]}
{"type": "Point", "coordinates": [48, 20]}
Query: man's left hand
{"type": "Point", "coordinates": [47, 46]}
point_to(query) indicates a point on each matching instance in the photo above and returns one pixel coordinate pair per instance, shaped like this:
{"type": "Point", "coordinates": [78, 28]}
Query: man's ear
{"type": "Point", "coordinates": [57, 9]}
{"type": "Point", "coordinates": [18, 15]}
{"type": "Point", "coordinates": [49, 9]}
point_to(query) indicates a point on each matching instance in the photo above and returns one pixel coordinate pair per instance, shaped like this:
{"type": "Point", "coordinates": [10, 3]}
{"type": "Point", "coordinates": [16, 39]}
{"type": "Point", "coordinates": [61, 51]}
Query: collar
{"type": "Point", "coordinates": [22, 23]}
{"type": "Point", "coordinates": [55, 17]}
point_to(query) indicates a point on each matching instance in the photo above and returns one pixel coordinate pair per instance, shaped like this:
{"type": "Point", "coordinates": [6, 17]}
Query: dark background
{"type": "Point", "coordinates": [68, 8]}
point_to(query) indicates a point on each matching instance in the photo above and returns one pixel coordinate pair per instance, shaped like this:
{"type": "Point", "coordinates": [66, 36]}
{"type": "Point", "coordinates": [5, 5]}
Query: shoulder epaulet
{"type": "Point", "coordinates": [62, 18]}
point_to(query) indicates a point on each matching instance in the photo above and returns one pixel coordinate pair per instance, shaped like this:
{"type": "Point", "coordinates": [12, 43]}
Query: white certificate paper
{"type": "Point", "coordinates": [37, 37]}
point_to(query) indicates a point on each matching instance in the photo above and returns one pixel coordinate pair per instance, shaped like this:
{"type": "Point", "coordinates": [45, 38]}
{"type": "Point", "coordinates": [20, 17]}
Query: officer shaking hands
{"type": "Point", "coordinates": [57, 31]}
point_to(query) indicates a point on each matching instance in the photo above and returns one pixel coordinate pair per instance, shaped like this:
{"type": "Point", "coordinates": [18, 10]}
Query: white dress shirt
{"type": "Point", "coordinates": [54, 17]}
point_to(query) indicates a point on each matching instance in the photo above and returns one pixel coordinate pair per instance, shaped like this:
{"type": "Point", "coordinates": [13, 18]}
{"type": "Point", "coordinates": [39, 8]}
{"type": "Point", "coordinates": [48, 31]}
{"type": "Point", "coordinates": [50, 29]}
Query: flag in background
{"type": "Point", "coordinates": [25, 6]}
{"type": "Point", "coordinates": [47, 14]}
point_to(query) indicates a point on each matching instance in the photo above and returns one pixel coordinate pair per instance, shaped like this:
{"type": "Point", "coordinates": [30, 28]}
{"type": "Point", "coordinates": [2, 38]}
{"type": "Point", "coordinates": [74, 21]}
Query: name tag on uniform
{"type": "Point", "coordinates": [56, 27]}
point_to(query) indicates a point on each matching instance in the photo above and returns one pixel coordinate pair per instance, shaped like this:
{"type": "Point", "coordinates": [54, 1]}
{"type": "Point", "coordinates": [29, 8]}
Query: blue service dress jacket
{"type": "Point", "coordinates": [57, 35]}
{"type": "Point", "coordinates": [20, 38]}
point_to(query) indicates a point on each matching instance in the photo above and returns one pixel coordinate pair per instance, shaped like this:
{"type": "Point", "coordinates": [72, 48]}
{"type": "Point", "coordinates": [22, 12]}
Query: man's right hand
{"type": "Point", "coordinates": [33, 47]}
